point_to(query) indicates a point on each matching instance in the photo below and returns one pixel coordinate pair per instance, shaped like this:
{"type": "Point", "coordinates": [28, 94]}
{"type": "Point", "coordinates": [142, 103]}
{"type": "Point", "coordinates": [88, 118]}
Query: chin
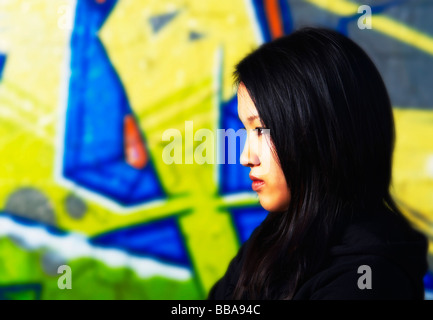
{"type": "Point", "coordinates": [272, 206]}
{"type": "Point", "coordinates": [268, 206]}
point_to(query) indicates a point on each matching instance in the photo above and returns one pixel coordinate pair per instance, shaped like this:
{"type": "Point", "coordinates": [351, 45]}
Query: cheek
{"type": "Point", "coordinates": [267, 161]}
{"type": "Point", "coordinates": [276, 172]}
{"type": "Point", "coordinates": [279, 184]}
{"type": "Point", "coordinates": [277, 195]}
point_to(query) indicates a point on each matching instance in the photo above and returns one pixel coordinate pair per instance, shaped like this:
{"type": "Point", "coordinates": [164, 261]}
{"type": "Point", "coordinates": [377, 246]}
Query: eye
{"type": "Point", "coordinates": [259, 131]}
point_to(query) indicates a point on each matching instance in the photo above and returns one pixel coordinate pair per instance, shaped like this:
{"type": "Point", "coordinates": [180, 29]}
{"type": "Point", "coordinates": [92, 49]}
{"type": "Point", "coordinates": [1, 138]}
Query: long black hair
{"type": "Point", "coordinates": [332, 129]}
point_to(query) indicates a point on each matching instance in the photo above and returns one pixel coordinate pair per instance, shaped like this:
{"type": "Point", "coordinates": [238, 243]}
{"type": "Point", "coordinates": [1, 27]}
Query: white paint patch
{"type": "Point", "coordinates": [75, 245]}
{"type": "Point", "coordinates": [429, 166]}
{"type": "Point", "coordinates": [254, 21]}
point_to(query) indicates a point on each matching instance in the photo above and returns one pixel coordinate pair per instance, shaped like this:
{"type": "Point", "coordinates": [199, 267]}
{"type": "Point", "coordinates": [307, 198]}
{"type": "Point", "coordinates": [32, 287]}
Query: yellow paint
{"type": "Point", "coordinates": [412, 172]}
{"type": "Point", "coordinates": [381, 23]}
{"type": "Point", "coordinates": [403, 33]}
{"type": "Point", "coordinates": [340, 7]}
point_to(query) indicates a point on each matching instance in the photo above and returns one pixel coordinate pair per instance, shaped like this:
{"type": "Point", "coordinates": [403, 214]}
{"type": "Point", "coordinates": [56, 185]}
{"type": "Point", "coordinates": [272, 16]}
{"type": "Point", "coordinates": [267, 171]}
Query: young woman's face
{"type": "Point", "coordinates": [266, 174]}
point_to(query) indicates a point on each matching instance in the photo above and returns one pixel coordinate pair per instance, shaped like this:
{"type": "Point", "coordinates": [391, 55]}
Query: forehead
{"type": "Point", "coordinates": [246, 109]}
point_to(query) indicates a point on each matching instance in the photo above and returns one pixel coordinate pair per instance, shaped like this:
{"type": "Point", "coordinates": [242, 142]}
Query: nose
{"type": "Point", "coordinates": [249, 157]}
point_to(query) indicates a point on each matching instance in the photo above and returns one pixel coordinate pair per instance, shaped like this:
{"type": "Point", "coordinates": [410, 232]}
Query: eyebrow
{"type": "Point", "coordinates": [250, 118]}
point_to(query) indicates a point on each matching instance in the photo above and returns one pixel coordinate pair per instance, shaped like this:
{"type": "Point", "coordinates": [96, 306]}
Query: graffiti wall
{"type": "Point", "coordinates": [89, 209]}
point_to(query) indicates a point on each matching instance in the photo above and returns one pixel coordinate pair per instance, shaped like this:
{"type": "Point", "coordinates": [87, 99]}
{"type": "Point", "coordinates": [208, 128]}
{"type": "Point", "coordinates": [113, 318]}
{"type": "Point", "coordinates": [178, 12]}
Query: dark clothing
{"type": "Point", "coordinates": [395, 253]}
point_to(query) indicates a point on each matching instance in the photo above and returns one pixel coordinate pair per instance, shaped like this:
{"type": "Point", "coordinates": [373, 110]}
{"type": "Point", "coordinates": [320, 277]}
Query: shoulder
{"type": "Point", "coordinates": [377, 258]}
{"type": "Point", "coordinates": [373, 260]}
{"type": "Point", "coordinates": [368, 278]}
{"type": "Point", "coordinates": [224, 287]}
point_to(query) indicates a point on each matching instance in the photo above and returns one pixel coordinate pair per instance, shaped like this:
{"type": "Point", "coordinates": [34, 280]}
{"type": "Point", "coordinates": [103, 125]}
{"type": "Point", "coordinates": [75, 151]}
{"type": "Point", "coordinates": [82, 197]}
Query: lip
{"type": "Point", "coordinates": [257, 183]}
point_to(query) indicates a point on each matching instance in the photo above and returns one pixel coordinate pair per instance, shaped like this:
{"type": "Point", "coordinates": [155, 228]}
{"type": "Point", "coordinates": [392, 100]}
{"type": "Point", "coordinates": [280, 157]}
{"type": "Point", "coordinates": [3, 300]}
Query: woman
{"type": "Point", "coordinates": [333, 231]}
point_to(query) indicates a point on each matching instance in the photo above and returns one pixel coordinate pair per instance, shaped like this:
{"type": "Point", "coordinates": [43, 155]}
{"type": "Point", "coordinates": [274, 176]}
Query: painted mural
{"type": "Point", "coordinates": [87, 90]}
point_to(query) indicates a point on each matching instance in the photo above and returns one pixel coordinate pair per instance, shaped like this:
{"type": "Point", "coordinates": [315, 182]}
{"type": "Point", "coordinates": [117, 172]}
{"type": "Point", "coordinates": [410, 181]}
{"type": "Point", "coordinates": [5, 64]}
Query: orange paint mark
{"type": "Point", "coordinates": [274, 19]}
{"type": "Point", "coordinates": [135, 152]}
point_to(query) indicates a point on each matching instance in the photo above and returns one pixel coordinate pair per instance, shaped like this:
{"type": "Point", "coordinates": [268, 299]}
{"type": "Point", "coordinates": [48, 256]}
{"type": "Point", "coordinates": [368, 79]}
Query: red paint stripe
{"type": "Point", "coordinates": [274, 18]}
{"type": "Point", "coordinates": [135, 152]}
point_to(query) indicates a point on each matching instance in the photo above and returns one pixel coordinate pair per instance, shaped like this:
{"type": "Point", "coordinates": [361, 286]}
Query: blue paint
{"type": "Point", "coordinates": [233, 177]}
{"type": "Point", "coordinates": [94, 154]}
{"type": "Point", "coordinates": [7, 292]}
{"type": "Point", "coordinates": [246, 220]}
{"type": "Point", "coordinates": [2, 64]}
{"type": "Point", "coordinates": [194, 36]}
{"type": "Point", "coordinates": [259, 9]}
{"type": "Point", "coordinates": [286, 16]}
{"type": "Point", "coordinates": [428, 281]}
{"type": "Point", "coordinates": [159, 240]}
{"type": "Point", "coordinates": [160, 21]}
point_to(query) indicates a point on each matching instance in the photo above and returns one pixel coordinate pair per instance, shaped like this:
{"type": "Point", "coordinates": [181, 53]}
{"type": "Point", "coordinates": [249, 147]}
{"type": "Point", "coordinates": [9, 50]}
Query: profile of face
{"type": "Point", "coordinates": [267, 177]}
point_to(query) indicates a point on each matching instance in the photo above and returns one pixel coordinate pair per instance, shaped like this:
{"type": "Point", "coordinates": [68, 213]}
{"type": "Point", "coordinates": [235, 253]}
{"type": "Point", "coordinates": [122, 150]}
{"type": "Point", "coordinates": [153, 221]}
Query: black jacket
{"type": "Point", "coordinates": [395, 253]}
